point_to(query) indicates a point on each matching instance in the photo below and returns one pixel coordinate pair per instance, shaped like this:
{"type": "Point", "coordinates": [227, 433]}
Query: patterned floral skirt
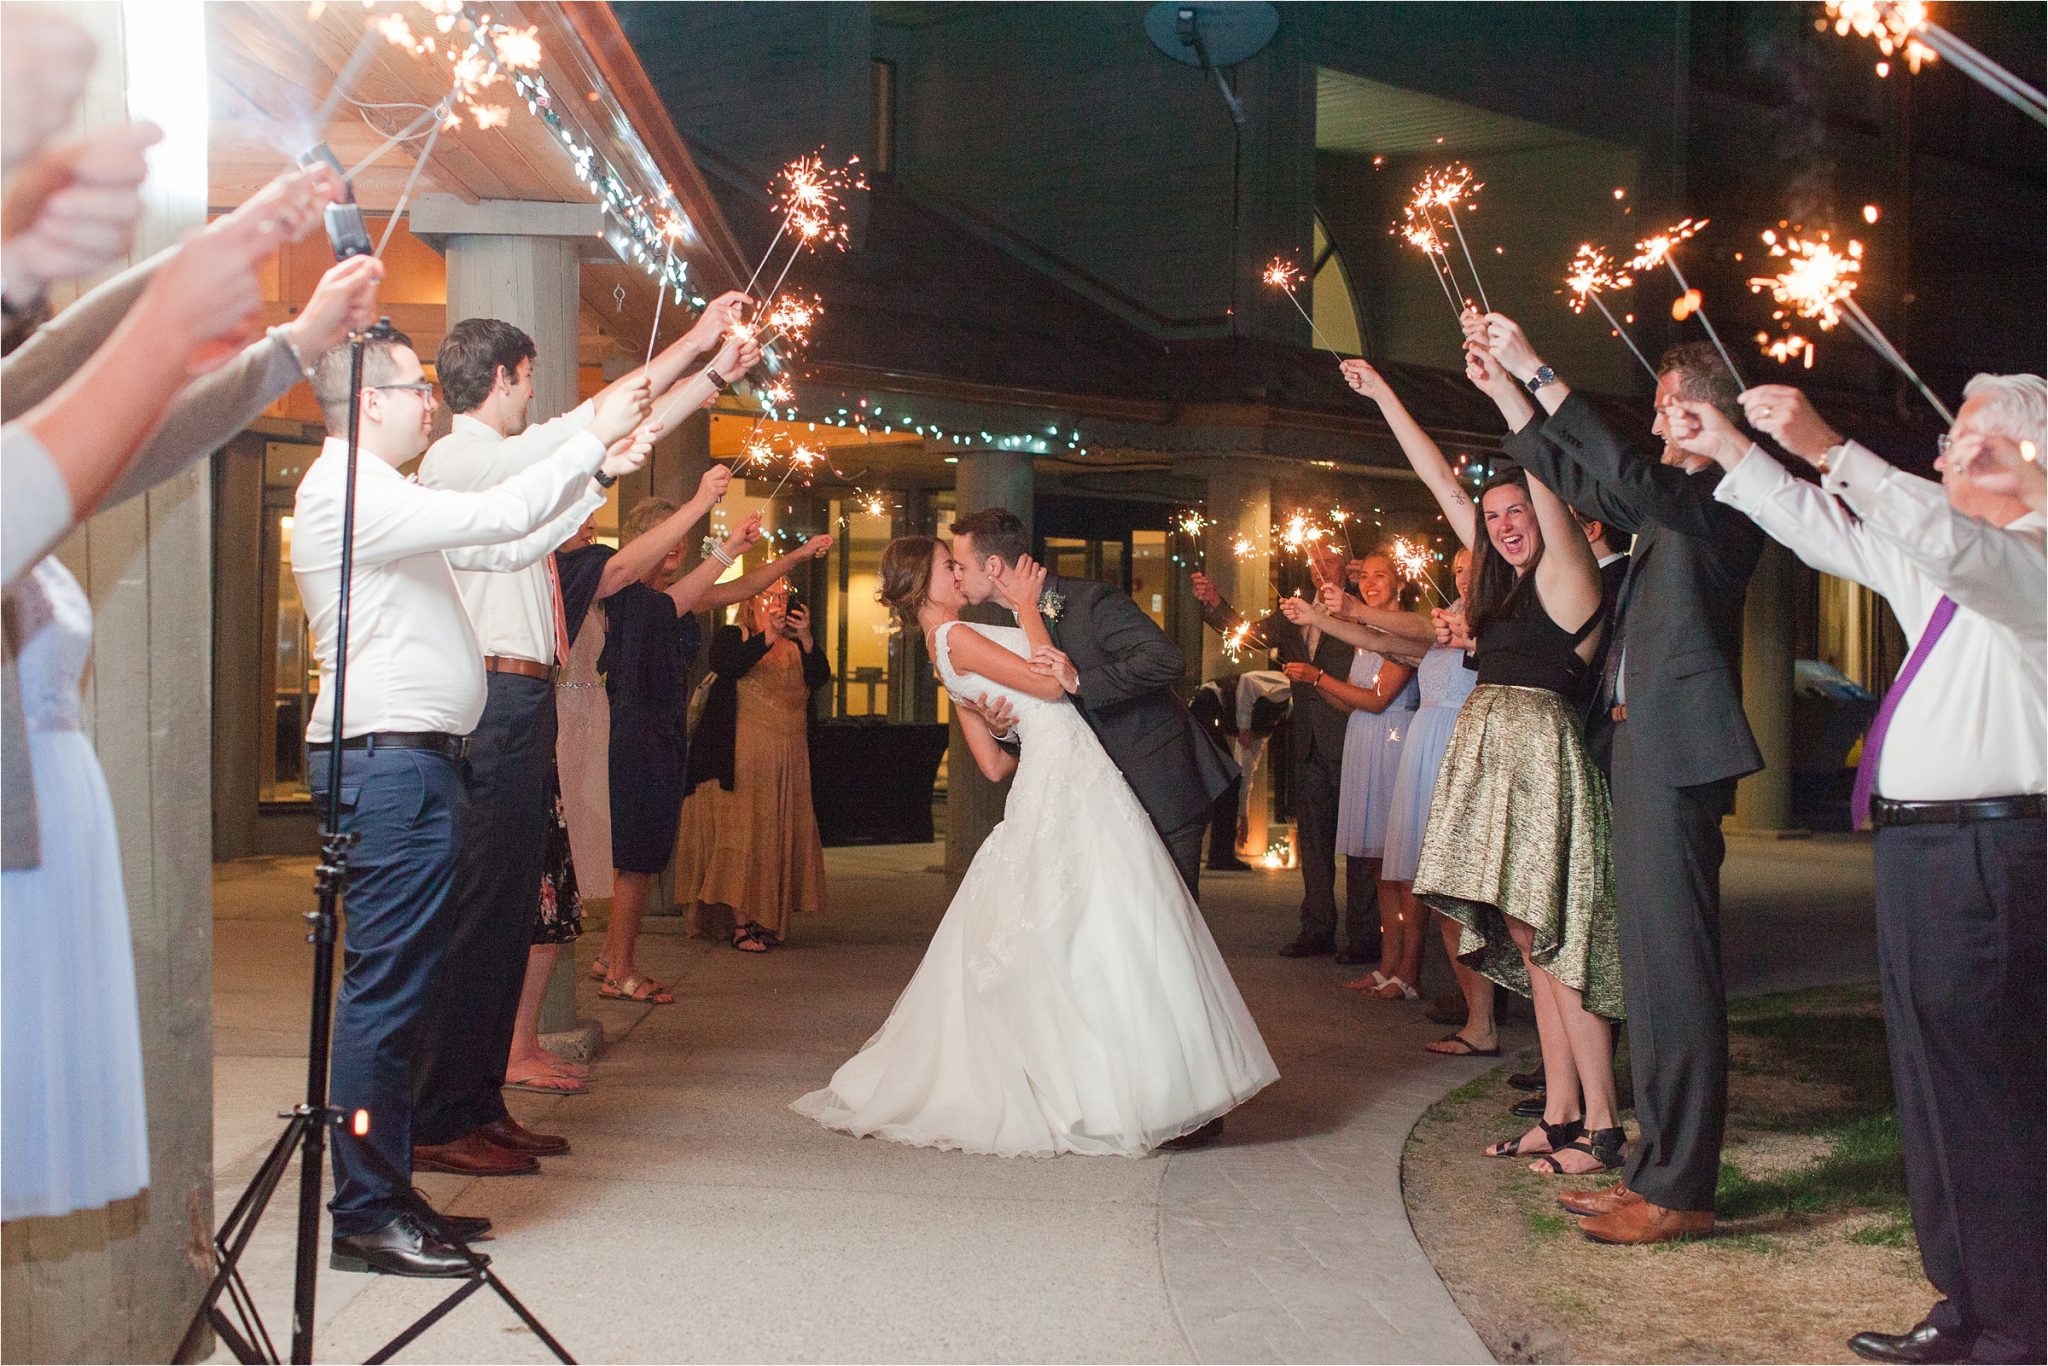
{"type": "Point", "coordinates": [1519, 827]}
{"type": "Point", "coordinates": [561, 906]}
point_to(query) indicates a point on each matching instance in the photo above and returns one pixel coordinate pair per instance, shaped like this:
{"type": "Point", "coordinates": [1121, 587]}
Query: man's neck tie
{"type": "Point", "coordinates": [1873, 743]}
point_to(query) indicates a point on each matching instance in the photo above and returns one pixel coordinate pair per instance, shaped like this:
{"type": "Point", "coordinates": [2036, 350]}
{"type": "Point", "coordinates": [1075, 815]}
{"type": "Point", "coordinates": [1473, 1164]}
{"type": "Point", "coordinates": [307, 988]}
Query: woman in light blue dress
{"type": "Point", "coordinates": [1381, 696]}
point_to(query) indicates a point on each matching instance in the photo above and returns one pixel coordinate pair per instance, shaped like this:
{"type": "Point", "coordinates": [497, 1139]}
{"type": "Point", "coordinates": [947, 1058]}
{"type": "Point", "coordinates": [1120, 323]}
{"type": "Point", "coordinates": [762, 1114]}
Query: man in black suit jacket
{"type": "Point", "coordinates": [1120, 670]}
{"type": "Point", "coordinates": [1669, 729]}
{"type": "Point", "coordinates": [1316, 749]}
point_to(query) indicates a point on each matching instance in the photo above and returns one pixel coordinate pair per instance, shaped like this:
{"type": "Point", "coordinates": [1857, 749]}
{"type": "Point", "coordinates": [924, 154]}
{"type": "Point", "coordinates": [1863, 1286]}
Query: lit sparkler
{"type": "Point", "coordinates": [792, 317]}
{"type": "Point", "coordinates": [1342, 519]}
{"type": "Point", "coordinates": [780, 394]}
{"type": "Point", "coordinates": [1241, 636]}
{"type": "Point", "coordinates": [1785, 349]}
{"type": "Point", "coordinates": [811, 195]}
{"type": "Point", "coordinates": [1446, 188]}
{"type": "Point", "coordinates": [1192, 524]}
{"type": "Point", "coordinates": [1819, 284]}
{"type": "Point", "coordinates": [1412, 562]}
{"type": "Point", "coordinates": [671, 233]}
{"type": "Point", "coordinates": [1242, 548]}
{"type": "Point", "coordinates": [1593, 274]}
{"type": "Point", "coordinates": [1656, 251]}
{"type": "Point", "coordinates": [801, 457]}
{"type": "Point", "coordinates": [1283, 276]}
{"type": "Point", "coordinates": [1418, 232]}
{"type": "Point", "coordinates": [1902, 28]}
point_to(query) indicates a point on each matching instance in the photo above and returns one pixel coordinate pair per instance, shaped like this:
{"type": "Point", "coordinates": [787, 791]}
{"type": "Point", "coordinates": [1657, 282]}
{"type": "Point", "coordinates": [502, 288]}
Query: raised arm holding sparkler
{"type": "Point", "coordinates": [1424, 455]}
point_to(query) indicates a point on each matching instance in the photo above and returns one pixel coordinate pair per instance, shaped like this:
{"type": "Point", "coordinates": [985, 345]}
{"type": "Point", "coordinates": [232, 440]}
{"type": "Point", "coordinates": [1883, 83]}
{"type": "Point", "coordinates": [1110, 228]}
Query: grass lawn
{"type": "Point", "coordinates": [1814, 1242]}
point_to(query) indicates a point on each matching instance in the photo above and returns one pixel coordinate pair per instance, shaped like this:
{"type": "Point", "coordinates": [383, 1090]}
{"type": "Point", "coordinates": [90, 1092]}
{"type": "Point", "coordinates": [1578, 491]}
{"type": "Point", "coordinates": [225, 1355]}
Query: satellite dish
{"type": "Point", "coordinates": [1211, 36]}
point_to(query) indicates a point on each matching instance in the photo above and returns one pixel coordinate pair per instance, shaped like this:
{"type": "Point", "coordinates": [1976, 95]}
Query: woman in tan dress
{"type": "Point", "coordinates": [748, 849]}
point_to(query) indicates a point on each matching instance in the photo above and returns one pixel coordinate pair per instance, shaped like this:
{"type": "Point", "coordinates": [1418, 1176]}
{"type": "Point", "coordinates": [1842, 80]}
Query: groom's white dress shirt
{"type": "Point", "coordinates": [1974, 723]}
{"type": "Point", "coordinates": [414, 663]}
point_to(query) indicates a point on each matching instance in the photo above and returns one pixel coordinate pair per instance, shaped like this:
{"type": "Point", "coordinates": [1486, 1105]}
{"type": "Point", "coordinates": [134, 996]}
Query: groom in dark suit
{"type": "Point", "coordinates": [1119, 669]}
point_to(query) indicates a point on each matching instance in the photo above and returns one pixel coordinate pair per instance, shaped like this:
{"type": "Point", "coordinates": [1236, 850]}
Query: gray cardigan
{"type": "Point", "coordinates": [209, 411]}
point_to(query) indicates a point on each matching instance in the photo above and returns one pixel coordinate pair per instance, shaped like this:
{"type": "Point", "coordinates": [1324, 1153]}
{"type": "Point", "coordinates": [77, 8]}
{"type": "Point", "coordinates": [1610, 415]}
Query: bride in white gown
{"type": "Point", "coordinates": [1072, 1000]}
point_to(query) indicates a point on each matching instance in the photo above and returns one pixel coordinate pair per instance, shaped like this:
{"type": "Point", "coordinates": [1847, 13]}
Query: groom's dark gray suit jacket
{"type": "Point", "coordinates": [1128, 668]}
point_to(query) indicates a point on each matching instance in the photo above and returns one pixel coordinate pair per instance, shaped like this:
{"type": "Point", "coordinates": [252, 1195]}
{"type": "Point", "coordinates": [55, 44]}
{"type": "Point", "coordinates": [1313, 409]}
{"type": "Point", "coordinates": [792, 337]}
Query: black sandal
{"type": "Point", "coordinates": [1602, 1145]}
{"type": "Point", "coordinates": [748, 938]}
{"type": "Point", "coordinates": [1559, 1136]}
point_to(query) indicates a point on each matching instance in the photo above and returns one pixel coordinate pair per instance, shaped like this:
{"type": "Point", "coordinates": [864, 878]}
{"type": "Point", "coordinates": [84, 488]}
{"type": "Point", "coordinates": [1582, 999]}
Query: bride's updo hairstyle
{"type": "Point", "coordinates": [907, 577]}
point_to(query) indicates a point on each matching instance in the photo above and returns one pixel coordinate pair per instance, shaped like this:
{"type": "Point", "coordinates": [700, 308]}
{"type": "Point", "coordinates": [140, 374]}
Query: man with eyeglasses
{"type": "Point", "coordinates": [1953, 775]}
{"type": "Point", "coordinates": [415, 691]}
{"type": "Point", "coordinates": [485, 366]}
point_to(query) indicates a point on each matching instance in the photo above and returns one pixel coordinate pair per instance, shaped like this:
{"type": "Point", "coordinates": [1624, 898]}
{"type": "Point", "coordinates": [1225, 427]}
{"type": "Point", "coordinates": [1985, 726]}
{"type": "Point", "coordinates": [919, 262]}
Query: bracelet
{"type": "Point", "coordinates": [718, 381]}
{"type": "Point", "coordinates": [719, 553]}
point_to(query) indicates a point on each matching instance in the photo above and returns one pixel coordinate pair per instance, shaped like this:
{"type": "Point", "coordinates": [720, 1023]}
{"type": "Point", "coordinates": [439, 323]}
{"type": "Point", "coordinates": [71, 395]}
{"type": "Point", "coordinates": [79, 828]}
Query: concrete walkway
{"type": "Point", "coordinates": [698, 1219]}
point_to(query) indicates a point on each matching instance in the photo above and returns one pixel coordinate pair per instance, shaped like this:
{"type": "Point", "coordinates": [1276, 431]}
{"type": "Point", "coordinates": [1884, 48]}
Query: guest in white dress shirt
{"type": "Point", "coordinates": [486, 371]}
{"type": "Point", "coordinates": [415, 691]}
{"type": "Point", "coordinates": [1953, 776]}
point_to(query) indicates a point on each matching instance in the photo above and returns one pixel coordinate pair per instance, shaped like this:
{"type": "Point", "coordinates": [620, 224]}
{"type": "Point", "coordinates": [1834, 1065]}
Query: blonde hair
{"type": "Point", "coordinates": [646, 515]}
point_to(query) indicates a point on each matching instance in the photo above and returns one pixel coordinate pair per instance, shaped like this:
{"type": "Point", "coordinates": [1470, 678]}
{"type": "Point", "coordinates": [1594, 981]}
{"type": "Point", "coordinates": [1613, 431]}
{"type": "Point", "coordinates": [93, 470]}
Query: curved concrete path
{"type": "Point", "coordinates": [698, 1219]}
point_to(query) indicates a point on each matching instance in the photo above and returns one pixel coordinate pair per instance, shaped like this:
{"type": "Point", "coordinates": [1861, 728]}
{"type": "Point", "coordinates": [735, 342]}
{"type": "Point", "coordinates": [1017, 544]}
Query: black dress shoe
{"type": "Point", "coordinates": [1357, 955]}
{"type": "Point", "coordinates": [1528, 1107]}
{"type": "Point", "coordinates": [1526, 1081]}
{"type": "Point", "coordinates": [1196, 1138]}
{"type": "Point", "coordinates": [1304, 947]}
{"type": "Point", "coordinates": [1925, 1343]}
{"type": "Point", "coordinates": [468, 1227]}
{"type": "Point", "coordinates": [400, 1248]}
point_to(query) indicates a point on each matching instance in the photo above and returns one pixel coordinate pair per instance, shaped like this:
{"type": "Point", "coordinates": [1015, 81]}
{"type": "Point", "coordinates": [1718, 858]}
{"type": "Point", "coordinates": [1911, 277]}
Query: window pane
{"type": "Point", "coordinates": [1151, 574]}
{"type": "Point", "coordinates": [863, 625]}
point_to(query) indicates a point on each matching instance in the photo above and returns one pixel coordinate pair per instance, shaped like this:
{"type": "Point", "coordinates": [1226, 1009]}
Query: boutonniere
{"type": "Point", "coordinates": [1051, 604]}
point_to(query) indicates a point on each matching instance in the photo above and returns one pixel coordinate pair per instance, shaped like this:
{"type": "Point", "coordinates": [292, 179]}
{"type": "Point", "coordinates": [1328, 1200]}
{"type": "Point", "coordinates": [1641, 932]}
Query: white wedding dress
{"type": "Point", "coordinates": [72, 1129]}
{"type": "Point", "coordinates": [1072, 1000]}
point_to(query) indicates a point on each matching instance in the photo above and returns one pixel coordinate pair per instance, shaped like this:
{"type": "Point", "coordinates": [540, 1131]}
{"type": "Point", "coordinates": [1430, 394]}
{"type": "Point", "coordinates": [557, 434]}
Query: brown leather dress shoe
{"type": "Point", "coordinates": [472, 1155]}
{"type": "Point", "coordinates": [509, 1134]}
{"type": "Point", "coordinates": [1606, 1200]}
{"type": "Point", "coordinates": [1642, 1222]}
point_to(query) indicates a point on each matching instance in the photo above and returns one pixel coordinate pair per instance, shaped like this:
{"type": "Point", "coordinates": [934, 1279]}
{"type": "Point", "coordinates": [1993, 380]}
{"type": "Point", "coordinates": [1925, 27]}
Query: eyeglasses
{"type": "Point", "coordinates": [424, 388]}
{"type": "Point", "coordinates": [1942, 443]}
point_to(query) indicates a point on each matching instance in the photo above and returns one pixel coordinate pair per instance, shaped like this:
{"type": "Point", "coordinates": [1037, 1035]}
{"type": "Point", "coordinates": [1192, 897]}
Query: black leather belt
{"type": "Point", "coordinates": [454, 746]}
{"type": "Point", "coordinates": [1884, 811]}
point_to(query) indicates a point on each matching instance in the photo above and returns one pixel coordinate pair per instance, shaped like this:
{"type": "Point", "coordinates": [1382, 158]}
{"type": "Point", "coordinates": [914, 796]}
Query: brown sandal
{"type": "Point", "coordinates": [639, 990]}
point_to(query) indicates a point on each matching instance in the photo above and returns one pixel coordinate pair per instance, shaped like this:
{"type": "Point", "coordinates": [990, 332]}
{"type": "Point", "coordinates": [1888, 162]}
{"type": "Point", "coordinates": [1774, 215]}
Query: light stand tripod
{"type": "Point", "coordinates": [308, 1122]}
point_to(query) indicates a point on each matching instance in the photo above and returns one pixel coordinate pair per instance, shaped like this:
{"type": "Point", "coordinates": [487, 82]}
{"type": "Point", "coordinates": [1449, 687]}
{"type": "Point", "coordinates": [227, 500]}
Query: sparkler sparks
{"type": "Point", "coordinates": [1902, 27]}
{"type": "Point", "coordinates": [1282, 274]}
{"type": "Point", "coordinates": [1656, 251]}
{"type": "Point", "coordinates": [1417, 231]}
{"type": "Point", "coordinates": [812, 196]}
{"type": "Point", "coordinates": [1242, 548]}
{"type": "Point", "coordinates": [1412, 562]}
{"type": "Point", "coordinates": [792, 317]}
{"type": "Point", "coordinates": [1819, 284]}
{"type": "Point", "coordinates": [1593, 274]}
{"type": "Point", "coordinates": [1241, 637]}
{"type": "Point", "coordinates": [1448, 188]}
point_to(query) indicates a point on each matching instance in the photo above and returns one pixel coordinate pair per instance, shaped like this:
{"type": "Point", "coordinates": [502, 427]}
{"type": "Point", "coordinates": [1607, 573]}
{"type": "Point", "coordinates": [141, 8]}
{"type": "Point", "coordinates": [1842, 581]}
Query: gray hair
{"type": "Point", "coordinates": [2015, 406]}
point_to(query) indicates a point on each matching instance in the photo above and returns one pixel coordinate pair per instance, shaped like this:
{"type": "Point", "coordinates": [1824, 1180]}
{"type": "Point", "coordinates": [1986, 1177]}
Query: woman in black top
{"type": "Point", "coordinates": [651, 637]}
{"type": "Point", "coordinates": [1516, 850]}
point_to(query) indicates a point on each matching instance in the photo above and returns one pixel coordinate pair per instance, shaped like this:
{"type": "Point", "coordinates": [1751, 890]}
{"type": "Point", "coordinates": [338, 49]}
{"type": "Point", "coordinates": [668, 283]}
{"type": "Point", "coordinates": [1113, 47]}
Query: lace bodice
{"type": "Point", "coordinates": [51, 619]}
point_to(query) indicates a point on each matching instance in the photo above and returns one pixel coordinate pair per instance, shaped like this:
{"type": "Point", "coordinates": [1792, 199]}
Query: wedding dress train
{"type": "Point", "coordinates": [1072, 999]}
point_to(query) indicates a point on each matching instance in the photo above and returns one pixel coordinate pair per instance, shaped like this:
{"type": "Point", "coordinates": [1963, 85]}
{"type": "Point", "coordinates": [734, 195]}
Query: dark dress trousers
{"type": "Point", "coordinates": [403, 807]}
{"type": "Point", "coordinates": [1673, 764]}
{"type": "Point", "coordinates": [1128, 670]}
{"type": "Point", "coordinates": [502, 847]}
{"type": "Point", "coordinates": [1316, 752]}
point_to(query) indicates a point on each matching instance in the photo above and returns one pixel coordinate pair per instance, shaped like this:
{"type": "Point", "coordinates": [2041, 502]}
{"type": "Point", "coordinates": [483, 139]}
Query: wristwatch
{"type": "Point", "coordinates": [1544, 375]}
{"type": "Point", "coordinates": [605, 481]}
{"type": "Point", "coordinates": [718, 381]}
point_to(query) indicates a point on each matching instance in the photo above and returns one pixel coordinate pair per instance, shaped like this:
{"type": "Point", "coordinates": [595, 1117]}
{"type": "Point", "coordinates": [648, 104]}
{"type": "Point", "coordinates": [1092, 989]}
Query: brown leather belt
{"type": "Point", "coordinates": [1619, 712]}
{"type": "Point", "coordinates": [525, 668]}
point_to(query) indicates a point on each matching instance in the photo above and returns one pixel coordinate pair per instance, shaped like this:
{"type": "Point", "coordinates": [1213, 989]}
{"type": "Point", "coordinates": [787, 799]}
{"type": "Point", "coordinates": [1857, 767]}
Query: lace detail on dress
{"type": "Point", "coordinates": [50, 620]}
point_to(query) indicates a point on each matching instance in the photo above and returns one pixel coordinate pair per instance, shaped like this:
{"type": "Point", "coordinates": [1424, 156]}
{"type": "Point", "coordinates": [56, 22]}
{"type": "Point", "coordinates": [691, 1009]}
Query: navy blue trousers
{"type": "Point", "coordinates": [403, 806]}
{"type": "Point", "coordinates": [1961, 962]}
{"type": "Point", "coordinates": [503, 845]}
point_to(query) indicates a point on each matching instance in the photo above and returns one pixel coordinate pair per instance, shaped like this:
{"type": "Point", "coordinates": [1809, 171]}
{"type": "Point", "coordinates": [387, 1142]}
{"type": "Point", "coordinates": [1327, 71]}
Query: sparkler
{"type": "Point", "coordinates": [1423, 237]}
{"type": "Point", "coordinates": [1902, 27]}
{"type": "Point", "coordinates": [811, 197]}
{"type": "Point", "coordinates": [1656, 251]}
{"type": "Point", "coordinates": [1342, 520]}
{"type": "Point", "coordinates": [1192, 524]}
{"type": "Point", "coordinates": [1282, 275]}
{"type": "Point", "coordinates": [801, 457]}
{"type": "Point", "coordinates": [1591, 275]}
{"type": "Point", "coordinates": [1411, 561]}
{"type": "Point", "coordinates": [671, 232]}
{"type": "Point", "coordinates": [1238, 637]}
{"type": "Point", "coordinates": [1818, 283]}
{"type": "Point", "coordinates": [1446, 188]}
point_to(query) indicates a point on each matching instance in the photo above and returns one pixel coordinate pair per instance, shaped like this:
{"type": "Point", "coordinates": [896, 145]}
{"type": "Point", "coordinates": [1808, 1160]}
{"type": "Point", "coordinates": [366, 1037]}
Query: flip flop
{"type": "Point", "coordinates": [533, 1082]}
{"type": "Point", "coordinates": [1465, 1048]}
{"type": "Point", "coordinates": [638, 990]}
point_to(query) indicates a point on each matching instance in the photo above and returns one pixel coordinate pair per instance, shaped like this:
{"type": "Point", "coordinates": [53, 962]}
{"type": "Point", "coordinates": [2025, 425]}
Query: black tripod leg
{"type": "Point", "coordinates": [228, 1246]}
{"type": "Point", "coordinates": [427, 1320]}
